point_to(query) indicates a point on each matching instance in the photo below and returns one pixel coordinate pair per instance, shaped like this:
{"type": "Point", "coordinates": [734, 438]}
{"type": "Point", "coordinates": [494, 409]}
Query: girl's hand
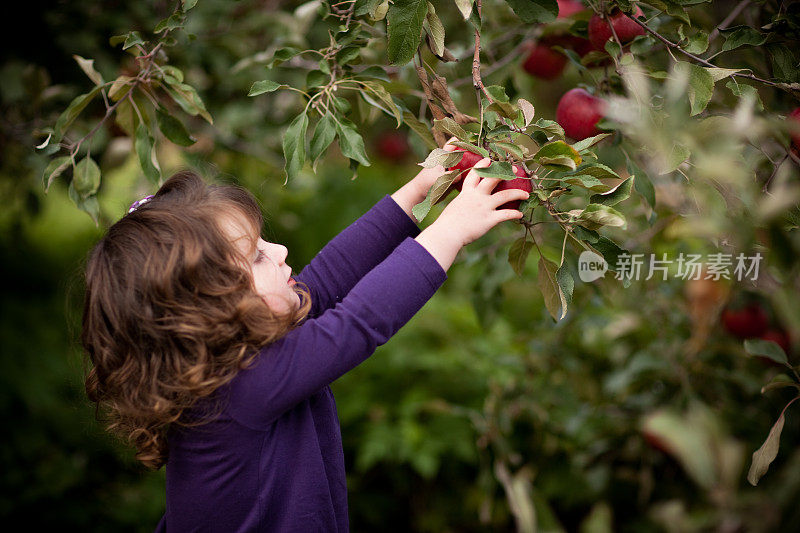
{"type": "Point", "coordinates": [469, 216]}
{"type": "Point", "coordinates": [417, 188]}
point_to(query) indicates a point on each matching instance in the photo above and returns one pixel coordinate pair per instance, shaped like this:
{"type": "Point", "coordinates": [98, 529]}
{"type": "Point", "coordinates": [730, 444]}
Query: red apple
{"type": "Point", "coordinates": [779, 337]}
{"type": "Point", "coordinates": [580, 45]}
{"type": "Point", "coordinates": [544, 62]}
{"type": "Point", "coordinates": [625, 28]}
{"type": "Point", "coordinates": [794, 116]}
{"type": "Point", "coordinates": [567, 8]}
{"type": "Point", "coordinates": [746, 323]}
{"type": "Point", "coordinates": [522, 182]}
{"type": "Point", "coordinates": [578, 113]}
{"type": "Point", "coordinates": [468, 161]}
{"type": "Point", "coordinates": [392, 145]}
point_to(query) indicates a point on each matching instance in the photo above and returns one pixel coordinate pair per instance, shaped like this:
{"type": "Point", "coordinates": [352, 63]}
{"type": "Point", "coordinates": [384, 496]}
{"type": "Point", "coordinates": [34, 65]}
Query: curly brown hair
{"type": "Point", "coordinates": [170, 313]}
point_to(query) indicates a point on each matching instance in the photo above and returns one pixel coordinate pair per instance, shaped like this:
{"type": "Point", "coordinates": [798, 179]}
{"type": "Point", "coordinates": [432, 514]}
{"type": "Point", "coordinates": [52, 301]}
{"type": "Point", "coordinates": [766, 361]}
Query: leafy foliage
{"type": "Point", "coordinates": [548, 402]}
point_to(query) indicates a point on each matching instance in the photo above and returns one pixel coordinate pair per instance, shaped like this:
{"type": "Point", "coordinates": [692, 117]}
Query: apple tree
{"type": "Point", "coordinates": [660, 126]}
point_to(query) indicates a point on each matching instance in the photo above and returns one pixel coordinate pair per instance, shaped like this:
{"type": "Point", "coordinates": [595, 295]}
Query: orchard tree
{"type": "Point", "coordinates": [672, 115]}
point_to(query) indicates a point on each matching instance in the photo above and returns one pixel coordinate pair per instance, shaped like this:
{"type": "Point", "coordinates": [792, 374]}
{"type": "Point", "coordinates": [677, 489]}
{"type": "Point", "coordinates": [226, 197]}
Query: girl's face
{"type": "Point", "coordinates": [267, 263]}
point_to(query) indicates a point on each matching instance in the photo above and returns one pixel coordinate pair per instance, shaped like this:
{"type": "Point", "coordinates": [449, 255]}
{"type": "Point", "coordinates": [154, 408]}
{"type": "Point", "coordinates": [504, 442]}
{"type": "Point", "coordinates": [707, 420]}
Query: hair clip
{"type": "Point", "coordinates": [138, 203]}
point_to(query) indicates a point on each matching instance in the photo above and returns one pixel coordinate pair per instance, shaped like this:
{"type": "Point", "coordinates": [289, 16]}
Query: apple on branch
{"type": "Point", "coordinates": [544, 62]}
{"type": "Point", "coordinates": [625, 28]}
{"type": "Point", "coordinates": [578, 112]}
{"type": "Point", "coordinates": [469, 159]}
{"type": "Point", "coordinates": [794, 133]}
{"type": "Point", "coordinates": [748, 322]}
{"type": "Point", "coordinates": [392, 146]}
{"type": "Point", "coordinates": [567, 8]}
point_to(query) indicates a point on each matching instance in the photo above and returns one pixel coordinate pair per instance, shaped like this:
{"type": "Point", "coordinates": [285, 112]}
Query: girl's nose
{"type": "Point", "coordinates": [281, 252]}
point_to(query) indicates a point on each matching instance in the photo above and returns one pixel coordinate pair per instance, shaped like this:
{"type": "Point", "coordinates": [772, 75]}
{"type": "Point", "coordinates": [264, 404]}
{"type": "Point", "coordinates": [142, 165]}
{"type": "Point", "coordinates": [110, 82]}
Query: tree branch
{"type": "Point", "coordinates": [703, 62]}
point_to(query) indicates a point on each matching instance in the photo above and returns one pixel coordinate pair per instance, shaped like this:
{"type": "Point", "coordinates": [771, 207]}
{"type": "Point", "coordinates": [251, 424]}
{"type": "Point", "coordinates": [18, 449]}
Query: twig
{"type": "Point", "coordinates": [702, 61]}
{"type": "Point", "coordinates": [477, 82]}
{"type": "Point", "coordinates": [765, 188]}
{"type": "Point", "coordinates": [730, 18]}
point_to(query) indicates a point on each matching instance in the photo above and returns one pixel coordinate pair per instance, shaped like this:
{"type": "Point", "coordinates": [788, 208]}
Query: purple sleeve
{"type": "Point", "coordinates": [324, 348]}
{"type": "Point", "coordinates": [354, 252]}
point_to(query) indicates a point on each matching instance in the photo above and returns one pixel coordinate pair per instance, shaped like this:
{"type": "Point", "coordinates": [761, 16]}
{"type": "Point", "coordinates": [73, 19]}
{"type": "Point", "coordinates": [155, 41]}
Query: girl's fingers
{"type": "Point", "coordinates": [472, 179]}
{"type": "Point", "coordinates": [450, 147]}
{"type": "Point", "coordinates": [508, 214]}
{"type": "Point", "coordinates": [509, 195]}
{"type": "Point", "coordinates": [487, 185]}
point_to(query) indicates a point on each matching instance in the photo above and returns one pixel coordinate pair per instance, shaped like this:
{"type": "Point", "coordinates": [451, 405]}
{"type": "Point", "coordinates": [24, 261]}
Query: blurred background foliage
{"type": "Point", "coordinates": [637, 412]}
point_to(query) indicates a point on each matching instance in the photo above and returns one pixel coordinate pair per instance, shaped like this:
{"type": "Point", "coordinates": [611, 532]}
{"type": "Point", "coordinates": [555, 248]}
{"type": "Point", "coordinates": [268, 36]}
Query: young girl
{"type": "Point", "coordinates": [211, 357]}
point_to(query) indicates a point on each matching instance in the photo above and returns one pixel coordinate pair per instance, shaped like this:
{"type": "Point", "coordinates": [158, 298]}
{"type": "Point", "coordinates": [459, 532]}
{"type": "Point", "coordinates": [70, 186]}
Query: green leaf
{"type": "Point", "coordinates": [721, 73]}
{"type": "Point", "coordinates": [86, 177]}
{"type": "Point", "coordinates": [550, 127]}
{"type": "Point", "coordinates": [348, 54]}
{"type": "Point", "coordinates": [558, 153]}
{"type": "Point", "coordinates": [737, 36]}
{"type": "Point", "coordinates": [436, 30]}
{"type": "Point", "coordinates": [265, 86]}
{"type": "Point", "coordinates": [54, 169]}
{"type": "Point", "coordinates": [144, 144]}
{"type": "Point", "coordinates": [597, 170]}
{"type": "Point", "coordinates": [294, 145]}
{"type": "Point", "coordinates": [743, 90]}
{"type": "Point", "coordinates": [587, 182]}
{"type": "Point", "coordinates": [404, 21]}
{"type": "Point", "coordinates": [642, 183]}
{"type": "Point", "coordinates": [186, 96]}
{"type": "Point", "coordinates": [74, 109]}
{"type": "Point", "coordinates": [701, 86]}
{"type": "Point", "coordinates": [87, 66]}
{"type": "Point", "coordinates": [598, 215]}
{"type": "Point", "coordinates": [188, 4]}
{"type": "Point", "coordinates": [503, 109]}
{"type": "Point", "coordinates": [769, 349]}
{"type": "Point", "coordinates": [518, 254]}
{"type": "Point", "coordinates": [464, 7]}
{"type": "Point", "coordinates": [172, 74]}
{"type": "Point", "coordinates": [784, 64]}
{"type": "Point", "coordinates": [437, 191]}
{"type": "Point", "coordinates": [767, 453]}
{"type": "Point", "coordinates": [609, 250]}
{"type": "Point", "coordinates": [88, 204]}
{"type": "Point", "coordinates": [451, 127]}
{"type": "Point", "coordinates": [528, 111]}
{"type": "Point", "coordinates": [533, 11]}
{"type": "Point", "coordinates": [442, 157]}
{"type": "Point", "coordinates": [580, 146]}
{"type": "Point", "coordinates": [513, 149]}
{"type": "Point", "coordinates": [420, 129]}
{"type": "Point", "coordinates": [120, 87]}
{"type": "Point", "coordinates": [497, 169]}
{"type": "Point", "coordinates": [324, 133]}
{"type": "Point", "coordinates": [614, 196]}
{"type": "Point", "coordinates": [677, 156]}
{"type": "Point", "coordinates": [374, 71]}
{"type": "Point", "coordinates": [172, 128]}
{"type": "Point", "coordinates": [566, 284]}
{"type": "Point", "coordinates": [498, 93]}
{"type": "Point", "coordinates": [698, 43]}
{"type": "Point", "coordinates": [383, 95]}
{"type": "Point", "coordinates": [554, 299]}
{"type": "Point", "coordinates": [170, 23]}
{"type": "Point", "coordinates": [283, 54]}
{"type": "Point", "coordinates": [781, 381]}
{"type": "Point", "coordinates": [351, 143]}
{"type": "Point", "coordinates": [132, 39]}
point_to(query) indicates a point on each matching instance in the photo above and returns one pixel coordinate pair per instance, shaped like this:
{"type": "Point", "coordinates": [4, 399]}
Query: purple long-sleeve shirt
{"type": "Point", "coordinates": [273, 460]}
